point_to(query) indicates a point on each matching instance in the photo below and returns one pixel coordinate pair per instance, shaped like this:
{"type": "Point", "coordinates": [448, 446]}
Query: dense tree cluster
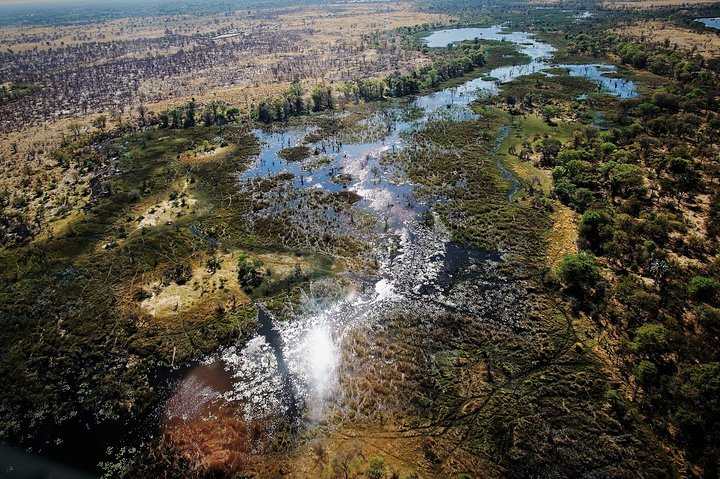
{"type": "Point", "coordinates": [452, 63]}
{"type": "Point", "coordinates": [638, 187]}
{"type": "Point", "coordinates": [188, 115]}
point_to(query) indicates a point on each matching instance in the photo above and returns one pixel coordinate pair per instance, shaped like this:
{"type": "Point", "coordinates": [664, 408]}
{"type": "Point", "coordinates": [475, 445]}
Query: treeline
{"type": "Point", "coordinates": [188, 115]}
{"type": "Point", "coordinates": [297, 101]}
{"type": "Point", "coordinates": [454, 63]}
{"type": "Point", "coordinates": [664, 59]}
{"type": "Point", "coordinates": [649, 204]}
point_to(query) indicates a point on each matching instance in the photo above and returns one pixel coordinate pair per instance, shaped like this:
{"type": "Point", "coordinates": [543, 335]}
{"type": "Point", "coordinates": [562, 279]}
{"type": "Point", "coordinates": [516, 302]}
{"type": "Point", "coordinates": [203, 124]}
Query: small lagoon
{"type": "Point", "coordinates": [710, 22]}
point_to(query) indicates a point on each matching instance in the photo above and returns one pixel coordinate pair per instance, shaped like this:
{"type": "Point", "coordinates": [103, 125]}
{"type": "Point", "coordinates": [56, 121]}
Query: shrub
{"type": "Point", "coordinates": [703, 289]}
{"type": "Point", "coordinates": [709, 318]}
{"type": "Point", "coordinates": [650, 339]}
{"type": "Point", "coordinates": [646, 373]}
{"type": "Point", "coordinates": [376, 468]}
{"type": "Point", "coordinates": [593, 224]}
{"type": "Point", "coordinates": [579, 273]}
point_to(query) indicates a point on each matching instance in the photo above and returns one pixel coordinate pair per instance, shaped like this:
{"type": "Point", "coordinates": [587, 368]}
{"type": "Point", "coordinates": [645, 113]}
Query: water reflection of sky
{"type": "Point", "coordinates": [710, 22]}
{"type": "Point", "coordinates": [539, 52]}
{"type": "Point", "coordinates": [598, 72]}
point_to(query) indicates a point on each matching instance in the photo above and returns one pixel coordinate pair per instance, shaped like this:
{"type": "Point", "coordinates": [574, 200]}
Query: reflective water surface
{"type": "Point", "coordinates": [710, 22]}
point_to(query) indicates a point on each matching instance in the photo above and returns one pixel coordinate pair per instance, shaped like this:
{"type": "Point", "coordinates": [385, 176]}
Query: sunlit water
{"type": "Point", "coordinates": [605, 76]}
{"type": "Point", "coordinates": [290, 368]}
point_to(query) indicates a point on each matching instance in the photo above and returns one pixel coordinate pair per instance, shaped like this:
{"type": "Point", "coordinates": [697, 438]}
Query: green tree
{"type": "Point", "coordinates": [248, 273]}
{"type": "Point", "coordinates": [627, 180]}
{"type": "Point", "coordinates": [595, 226]}
{"type": "Point", "coordinates": [650, 339]}
{"type": "Point", "coordinates": [376, 468]}
{"type": "Point", "coordinates": [580, 274]}
{"type": "Point", "coordinates": [704, 289]}
{"type": "Point", "coordinates": [190, 114]}
{"type": "Point", "coordinates": [548, 113]}
{"type": "Point", "coordinates": [646, 373]}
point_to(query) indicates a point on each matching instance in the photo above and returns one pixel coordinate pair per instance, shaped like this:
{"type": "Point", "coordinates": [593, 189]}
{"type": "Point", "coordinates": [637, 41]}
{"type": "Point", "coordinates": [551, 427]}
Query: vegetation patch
{"type": "Point", "coordinates": [295, 153]}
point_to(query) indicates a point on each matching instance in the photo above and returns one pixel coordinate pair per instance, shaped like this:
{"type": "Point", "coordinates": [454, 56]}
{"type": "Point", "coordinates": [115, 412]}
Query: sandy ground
{"type": "Point", "coordinates": [564, 235]}
{"type": "Point", "coordinates": [166, 211]}
{"type": "Point", "coordinates": [205, 290]}
{"type": "Point", "coordinates": [203, 286]}
{"type": "Point", "coordinates": [200, 156]}
{"type": "Point", "coordinates": [706, 44]}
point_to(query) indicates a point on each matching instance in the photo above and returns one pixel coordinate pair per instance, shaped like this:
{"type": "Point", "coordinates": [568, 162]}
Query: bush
{"type": "Point", "coordinates": [249, 275]}
{"type": "Point", "coordinates": [646, 373]}
{"type": "Point", "coordinates": [650, 339]}
{"type": "Point", "coordinates": [179, 273]}
{"type": "Point", "coordinates": [697, 390]}
{"type": "Point", "coordinates": [703, 289]}
{"type": "Point", "coordinates": [579, 273]}
{"type": "Point", "coordinates": [709, 318]}
{"type": "Point", "coordinates": [593, 226]}
{"type": "Point", "coordinates": [376, 469]}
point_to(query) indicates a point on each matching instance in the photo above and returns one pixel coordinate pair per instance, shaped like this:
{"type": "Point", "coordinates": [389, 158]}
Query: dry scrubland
{"type": "Point", "coordinates": [659, 32]}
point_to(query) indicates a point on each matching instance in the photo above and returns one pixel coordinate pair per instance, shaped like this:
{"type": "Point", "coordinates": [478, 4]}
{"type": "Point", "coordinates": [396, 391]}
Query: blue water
{"type": "Point", "coordinates": [710, 22]}
{"type": "Point", "coordinates": [443, 38]}
{"type": "Point", "coordinates": [598, 72]}
{"type": "Point", "coordinates": [355, 163]}
{"type": "Point", "coordinates": [540, 54]}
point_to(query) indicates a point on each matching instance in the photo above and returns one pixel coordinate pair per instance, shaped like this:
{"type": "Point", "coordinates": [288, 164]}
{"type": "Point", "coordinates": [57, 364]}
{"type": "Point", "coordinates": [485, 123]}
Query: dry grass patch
{"type": "Point", "coordinates": [202, 155]}
{"type": "Point", "coordinates": [204, 284]}
{"type": "Point", "coordinates": [563, 235]}
{"type": "Point", "coordinates": [166, 211]}
{"type": "Point", "coordinates": [187, 286]}
{"type": "Point", "coordinates": [705, 44]}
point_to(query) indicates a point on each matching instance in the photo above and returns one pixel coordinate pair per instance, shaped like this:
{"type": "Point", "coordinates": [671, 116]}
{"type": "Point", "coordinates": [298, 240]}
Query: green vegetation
{"type": "Point", "coordinates": [638, 188]}
{"type": "Point", "coordinates": [448, 64]}
{"type": "Point", "coordinates": [601, 362]}
{"type": "Point", "coordinates": [70, 304]}
{"type": "Point", "coordinates": [294, 153]}
{"type": "Point", "coordinates": [580, 275]}
{"type": "Point", "coordinates": [15, 91]}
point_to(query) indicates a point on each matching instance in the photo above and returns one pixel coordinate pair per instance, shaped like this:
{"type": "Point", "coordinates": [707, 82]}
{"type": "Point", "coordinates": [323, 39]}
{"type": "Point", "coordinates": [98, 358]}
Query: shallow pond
{"type": "Point", "coordinates": [605, 76]}
{"type": "Point", "coordinates": [540, 54]}
{"type": "Point", "coordinates": [710, 22]}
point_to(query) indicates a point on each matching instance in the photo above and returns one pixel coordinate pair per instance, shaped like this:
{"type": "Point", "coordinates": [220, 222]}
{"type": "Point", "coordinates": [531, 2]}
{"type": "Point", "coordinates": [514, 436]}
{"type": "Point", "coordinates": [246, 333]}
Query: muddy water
{"type": "Point", "coordinates": [290, 368]}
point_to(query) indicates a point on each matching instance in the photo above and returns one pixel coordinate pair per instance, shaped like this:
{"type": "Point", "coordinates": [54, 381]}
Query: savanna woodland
{"type": "Point", "coordinates": [360, 239]}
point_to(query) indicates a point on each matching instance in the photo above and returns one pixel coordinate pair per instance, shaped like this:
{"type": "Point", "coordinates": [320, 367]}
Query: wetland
{"type": "Point", "coordinates": [346, 283]}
